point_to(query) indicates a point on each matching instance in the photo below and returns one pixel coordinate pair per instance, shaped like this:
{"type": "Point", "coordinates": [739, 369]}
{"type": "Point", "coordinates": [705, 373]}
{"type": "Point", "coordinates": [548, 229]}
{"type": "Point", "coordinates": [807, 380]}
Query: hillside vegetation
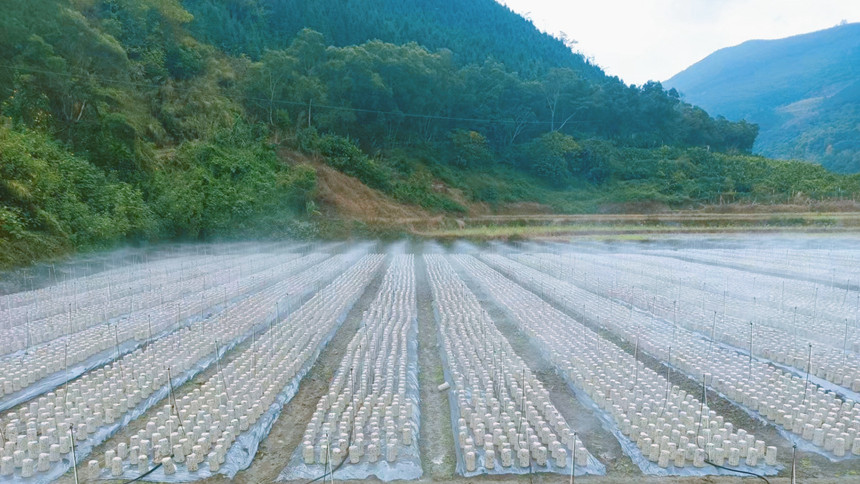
{"type": "Point", "coordinates": [143, 120]}
{"type": "Point", "coordinates": [803, 91]}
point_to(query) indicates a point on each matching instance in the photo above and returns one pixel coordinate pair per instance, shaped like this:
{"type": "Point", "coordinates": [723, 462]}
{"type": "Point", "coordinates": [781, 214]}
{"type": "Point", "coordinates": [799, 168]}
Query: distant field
{"type": "Point", "coordinates": [589, 225]}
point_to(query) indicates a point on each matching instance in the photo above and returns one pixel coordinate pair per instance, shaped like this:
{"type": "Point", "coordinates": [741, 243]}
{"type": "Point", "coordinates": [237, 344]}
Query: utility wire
{"type": "Point", "coordinates": [295, 103]}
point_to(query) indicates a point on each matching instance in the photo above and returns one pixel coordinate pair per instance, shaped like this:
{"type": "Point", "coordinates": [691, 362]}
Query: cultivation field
{"type": "Point", "coordinates": [675, 360]}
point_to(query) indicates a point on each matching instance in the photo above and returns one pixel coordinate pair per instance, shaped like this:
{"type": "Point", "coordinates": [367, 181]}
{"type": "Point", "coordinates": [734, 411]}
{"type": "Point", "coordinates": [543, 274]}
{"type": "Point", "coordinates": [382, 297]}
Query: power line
{"type": "Point", "coordinates": [292, 103]}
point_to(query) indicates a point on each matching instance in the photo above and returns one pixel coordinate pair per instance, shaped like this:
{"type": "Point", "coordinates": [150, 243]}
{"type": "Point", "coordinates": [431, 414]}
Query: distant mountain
{"type": "Point", "coordinates": [803, 91]}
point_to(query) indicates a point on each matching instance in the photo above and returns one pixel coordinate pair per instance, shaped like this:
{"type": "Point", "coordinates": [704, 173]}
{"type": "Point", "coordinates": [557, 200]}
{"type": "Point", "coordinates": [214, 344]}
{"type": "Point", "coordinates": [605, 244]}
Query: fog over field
{"type": "Point", "coordinates": [678, 357]}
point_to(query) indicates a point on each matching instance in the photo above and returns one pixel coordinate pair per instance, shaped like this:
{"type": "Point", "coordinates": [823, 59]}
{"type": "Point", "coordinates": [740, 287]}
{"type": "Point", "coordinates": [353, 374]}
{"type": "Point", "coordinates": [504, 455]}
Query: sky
{"type": "Point", "coordinates": [642, 40]}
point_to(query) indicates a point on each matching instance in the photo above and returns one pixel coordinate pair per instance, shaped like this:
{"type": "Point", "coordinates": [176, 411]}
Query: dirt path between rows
{"type": "Point", "coordinates": [436, 441]}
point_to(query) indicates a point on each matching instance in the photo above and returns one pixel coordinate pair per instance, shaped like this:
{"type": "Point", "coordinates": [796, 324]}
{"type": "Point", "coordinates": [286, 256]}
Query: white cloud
{"type": "Point", "coordinates": [640, 40]}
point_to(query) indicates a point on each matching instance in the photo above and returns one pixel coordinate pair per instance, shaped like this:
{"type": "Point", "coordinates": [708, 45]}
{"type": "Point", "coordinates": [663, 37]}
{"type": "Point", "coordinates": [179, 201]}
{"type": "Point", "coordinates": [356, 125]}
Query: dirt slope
{"type": "Point", "coordinates": [352, 199]}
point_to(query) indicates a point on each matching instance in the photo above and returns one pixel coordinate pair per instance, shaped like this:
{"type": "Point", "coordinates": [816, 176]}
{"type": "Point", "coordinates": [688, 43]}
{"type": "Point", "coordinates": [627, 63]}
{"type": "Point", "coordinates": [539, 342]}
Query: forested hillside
{"type": "Point", "coordinates": [804, 92]}
{"type": "Point", "coordinates": [126, 120]}
{"type": "Point", "coordinates": [473, 30]}
{"type": "Point", "coordinates": [451, 59]}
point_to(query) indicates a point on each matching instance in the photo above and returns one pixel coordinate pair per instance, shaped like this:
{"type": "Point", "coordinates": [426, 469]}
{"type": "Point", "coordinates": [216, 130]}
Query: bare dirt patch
{"type": "Point", "coordinates": [352, 199]}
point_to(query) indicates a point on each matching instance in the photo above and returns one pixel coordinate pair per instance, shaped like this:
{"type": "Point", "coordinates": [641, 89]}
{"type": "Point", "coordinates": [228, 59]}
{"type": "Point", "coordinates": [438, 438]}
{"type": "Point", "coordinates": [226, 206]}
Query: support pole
{"type": "Point", "coordinates": [74, 453]}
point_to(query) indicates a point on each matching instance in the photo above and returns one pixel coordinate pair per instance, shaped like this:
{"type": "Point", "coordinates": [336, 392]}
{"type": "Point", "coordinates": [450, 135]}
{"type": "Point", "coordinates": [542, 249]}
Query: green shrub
{"type": "Point", "coordinates": [471, 148]}
{"type": "Point", "coordinates": [233, 184]}
{"type": "Point", "coordinates": [183, 62]}
{"type": "Point", "coordinates": [48, 192]}
{"type": "Point", "coordinates": [345, 156]}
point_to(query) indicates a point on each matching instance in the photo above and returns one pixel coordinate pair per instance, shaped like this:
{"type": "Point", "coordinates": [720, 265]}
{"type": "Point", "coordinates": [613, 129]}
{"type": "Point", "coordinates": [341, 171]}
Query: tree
{"type": "Point", "coordinates": [309, 48]}
{"type": "Point", "coordinates": [283, 80]}
{"type": "Point", "coordinates": [562, 90]}
{"type": "Point", "coordinates": [268, 84]}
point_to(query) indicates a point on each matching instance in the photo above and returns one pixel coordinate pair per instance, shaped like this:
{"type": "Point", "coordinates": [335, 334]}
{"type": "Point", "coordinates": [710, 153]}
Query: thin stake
{"type": "Point", "coordinates": [668, 381]}
{"type": "Point", "coordinates": [29, 341]}
{"type": "Point", "coordinates": [808, 367]}
{"type": "Point", "coordinates": [116, 333]}
{"type": "Point", "coordinates": [713, 331]}
{"type": "Point", "coordinates": [794, 324]}
{"type": "Point", "coordinates": [523, 410]}
{"type": "Point", "coordinates": [749, 377]}
{"type": "Point", "coordinates": [74, 453]}
{"type": "Point", "coordinates": [794, 464]}
{"type": "Point", "coordinates": [172, 395]}
{"type": "Point", "coordinates": [701, 410]}
{"type": "Point", "coordinates": [636, 362]}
